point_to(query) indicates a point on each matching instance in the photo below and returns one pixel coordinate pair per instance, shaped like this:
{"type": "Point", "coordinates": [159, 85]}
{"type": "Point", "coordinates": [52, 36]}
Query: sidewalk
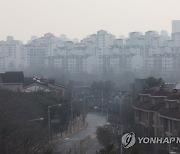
{"type": "Point", "coordinates": [73, 127]}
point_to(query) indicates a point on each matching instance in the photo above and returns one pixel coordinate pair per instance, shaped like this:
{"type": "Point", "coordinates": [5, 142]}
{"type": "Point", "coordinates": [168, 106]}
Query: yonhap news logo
{"type": "Point", "coordinates": [129, 140]}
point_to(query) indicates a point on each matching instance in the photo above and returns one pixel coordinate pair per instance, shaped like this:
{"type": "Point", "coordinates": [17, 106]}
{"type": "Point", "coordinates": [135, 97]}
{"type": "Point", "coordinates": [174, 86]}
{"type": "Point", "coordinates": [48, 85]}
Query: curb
{"type": "Point", "coordinates": [59, 139]}
{"type": "Point", "coordinates": [76, 131]}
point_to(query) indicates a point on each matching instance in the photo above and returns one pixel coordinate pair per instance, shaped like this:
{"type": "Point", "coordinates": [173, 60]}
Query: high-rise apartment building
{"type": "Point", "coordinates": [11, 54]}
{"type": "Point", "coordinates": [102, 40]}
{"type": "Point", "coordinates": [175, 26]}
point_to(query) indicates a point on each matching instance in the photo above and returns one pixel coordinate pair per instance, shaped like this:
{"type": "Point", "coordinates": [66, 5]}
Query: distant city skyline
{"type": "Point", "coordinates": [77, 19]}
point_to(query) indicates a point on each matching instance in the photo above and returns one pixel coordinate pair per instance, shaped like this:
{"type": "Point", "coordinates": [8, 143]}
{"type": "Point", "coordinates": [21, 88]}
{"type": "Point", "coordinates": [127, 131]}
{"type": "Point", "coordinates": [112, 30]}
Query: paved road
{"type": "Point", "coordinates": [93, 121]}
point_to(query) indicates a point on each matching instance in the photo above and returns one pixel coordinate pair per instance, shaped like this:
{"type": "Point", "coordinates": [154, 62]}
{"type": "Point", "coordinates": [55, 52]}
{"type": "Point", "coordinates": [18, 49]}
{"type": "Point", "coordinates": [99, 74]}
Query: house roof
{"type": "Point", "coordinates": [160, 108]}
{"type": "Point", "coordinates": [12, 77]}
{"type": "Point", "coordinates": [28, 81]}
{"type": "Point", "coordinates": [148, 106]}
{"type": "Point", "coordinates": [149, 91]}
{"type": "Point", "coordinates": [165, 92]}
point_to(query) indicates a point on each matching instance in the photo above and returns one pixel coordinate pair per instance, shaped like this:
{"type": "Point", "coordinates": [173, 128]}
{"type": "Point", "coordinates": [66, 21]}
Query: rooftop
{"type": "Point", "coordinates": [12, 77]}
{"type": "Point", "coordinates": [148, 106]}
{"type": "Point", "coordinates": [160, 107]}
{"type": "Point", "coordinates": [167, 91]}
{"type": "Point", "coordinates": [45, 82]}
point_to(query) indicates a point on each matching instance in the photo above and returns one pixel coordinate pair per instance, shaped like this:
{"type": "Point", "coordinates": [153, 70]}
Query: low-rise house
{"type": "Point", "coordinates": [145, 110]}
{"type": "Point", "coordinates": [12, 81]}
{"type": "Point", "coordinates": [40, 84]}
{"type": "Point", "coordinates": [168, 120]}
{"type": "Point", "coordinates": [157, 114]}
{"type": "Point", "coordinates": [15, 81]}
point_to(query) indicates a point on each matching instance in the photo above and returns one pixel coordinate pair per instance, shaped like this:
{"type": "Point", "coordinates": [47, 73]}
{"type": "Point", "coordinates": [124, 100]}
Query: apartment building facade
{"type": "Point", "coordinates": [11, 52]}
{"type": "Point", "coordinates": [157, 114]}
{"type": "Point", "coordinates": [148, 54]}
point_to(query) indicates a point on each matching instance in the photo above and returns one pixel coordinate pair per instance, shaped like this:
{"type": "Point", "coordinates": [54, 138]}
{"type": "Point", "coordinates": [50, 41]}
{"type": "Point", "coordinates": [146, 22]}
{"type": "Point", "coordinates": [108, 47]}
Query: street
{"type": "Point", "coordinates": [71, 141]}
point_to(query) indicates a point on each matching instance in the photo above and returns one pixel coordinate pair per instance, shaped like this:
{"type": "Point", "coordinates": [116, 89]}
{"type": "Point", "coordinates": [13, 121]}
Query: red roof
{"type": "Point", "coordinates": [155, 91]}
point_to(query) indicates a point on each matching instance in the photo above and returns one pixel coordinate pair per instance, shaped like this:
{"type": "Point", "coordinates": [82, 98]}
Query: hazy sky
{"type": "Point", "coordinates": [78, 18]}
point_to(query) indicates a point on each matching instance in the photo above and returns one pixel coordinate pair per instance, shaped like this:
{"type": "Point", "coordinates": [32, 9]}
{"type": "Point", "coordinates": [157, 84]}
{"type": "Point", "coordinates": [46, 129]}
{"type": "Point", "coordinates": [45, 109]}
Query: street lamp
{"type": "Point", "coordinates": [49, 118]}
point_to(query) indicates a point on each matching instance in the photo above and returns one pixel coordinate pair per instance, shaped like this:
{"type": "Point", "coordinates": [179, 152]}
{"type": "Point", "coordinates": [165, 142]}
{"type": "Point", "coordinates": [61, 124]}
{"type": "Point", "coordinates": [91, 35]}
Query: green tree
{"type": "Point", "coordinates": [153, 82]}
{"type": "Point", "coordinates": [107, 87]}
{"type": "Point", "coordinates": [104, 136]}
{"type": "Point", "coordinates": [20, 133]}
{"type": "Point", "coordinates": [109, 149]}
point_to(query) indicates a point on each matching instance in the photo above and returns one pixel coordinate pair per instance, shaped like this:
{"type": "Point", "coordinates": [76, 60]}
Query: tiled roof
{"type": "Point", "coordinates": [149, 91]}
{"type": "Point", "coordinates": [28, 81]}
{"type": "Point", "coordinates": [158, 92]}
{"type": "Point", "coordinates": [48, 83]}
